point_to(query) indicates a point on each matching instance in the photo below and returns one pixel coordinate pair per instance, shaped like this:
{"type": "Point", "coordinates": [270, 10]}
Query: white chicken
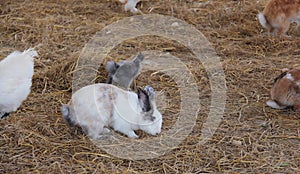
{"type": "Point", "coordinates": [16, 72]}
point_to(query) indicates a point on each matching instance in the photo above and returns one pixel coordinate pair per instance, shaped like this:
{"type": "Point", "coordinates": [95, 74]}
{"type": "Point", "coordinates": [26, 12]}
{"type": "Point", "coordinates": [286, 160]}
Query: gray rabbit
{"type": "Point", "coordinates": [123, 73]}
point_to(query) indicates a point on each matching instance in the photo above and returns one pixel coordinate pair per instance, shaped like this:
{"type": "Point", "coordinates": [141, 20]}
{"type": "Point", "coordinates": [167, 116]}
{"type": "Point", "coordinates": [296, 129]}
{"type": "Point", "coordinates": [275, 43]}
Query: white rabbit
{"type": "Point", "coordinates": [98, 106]}
{"type": "Point", "coordinates": [124, 72]}
{"type": "Point", "coordinates": [16, 72]}
{"type": "Point", "coordinates": [286, 90]}
{"type": "Point", "coordinates": [130, 5]}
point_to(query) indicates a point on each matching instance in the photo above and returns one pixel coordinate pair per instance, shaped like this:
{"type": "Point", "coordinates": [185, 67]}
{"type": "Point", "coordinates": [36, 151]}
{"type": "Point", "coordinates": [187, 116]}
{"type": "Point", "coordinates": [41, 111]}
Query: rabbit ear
{"type": "Point", "coordinates": [111, 67]}
{"type": "Point", "coordinates": [138, 58]}
{"type": "Point", "coordinates": [4, 114]}
{"type": "Point", "coordinates": [280, 76]}
{"type": "Point", "coordinates": [143, 100]}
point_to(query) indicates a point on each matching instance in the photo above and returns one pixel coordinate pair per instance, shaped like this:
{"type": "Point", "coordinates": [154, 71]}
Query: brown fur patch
{"type": "Point", "coordinates": [295, 72]}
{"type": "Point", "coordinates": [107, 97]}
{"type": "Point", "coordinates": [278, 14]}
{"type": "Point", "coordinates": [285, 91]}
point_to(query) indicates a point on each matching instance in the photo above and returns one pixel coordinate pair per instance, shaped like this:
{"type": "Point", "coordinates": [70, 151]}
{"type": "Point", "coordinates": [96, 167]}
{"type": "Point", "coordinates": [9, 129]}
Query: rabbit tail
{"type": "Point", "coordinates": [65, 110]}
{"type": "Point", "coordinates": [263, 21]}
{"type": "Point", "coordinates": [275, 105]}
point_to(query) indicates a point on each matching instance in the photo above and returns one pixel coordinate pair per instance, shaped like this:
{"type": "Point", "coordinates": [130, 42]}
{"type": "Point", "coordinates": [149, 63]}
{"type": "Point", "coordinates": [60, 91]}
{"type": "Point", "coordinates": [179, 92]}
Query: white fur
{"type": "Point", "coordinates": [16, 72]}
{"type": "Point", "coordinates": [130, 5]}
{"type": "Point", "coordinates": [262, 20]}
{"type": "Point", "coordinates": [274, 105]}
{"type": "Point", "coordinates": [103, 105]}
{"type": "Point", "coordinates": [289, 77]}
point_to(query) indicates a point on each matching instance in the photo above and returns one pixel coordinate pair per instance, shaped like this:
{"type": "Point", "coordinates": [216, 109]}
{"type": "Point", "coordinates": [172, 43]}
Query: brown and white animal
{"type": "Point", "coordinates": [124, 72]}
{"type": "Point", "coordinates": [286, 90]}
{"type": "Point", "coordinates": [278, 15]}
{"type": "Point", "coordinates": [16, 71]}
{"type": "Point", "coordinates": [130, 5]}
{"type": "Point", "coordinates": [98, 106]}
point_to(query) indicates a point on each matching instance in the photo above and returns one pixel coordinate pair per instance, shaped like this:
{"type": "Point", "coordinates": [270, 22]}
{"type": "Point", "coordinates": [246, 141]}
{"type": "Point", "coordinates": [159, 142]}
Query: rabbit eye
{"type": "Point", "coordinates": [117, 65]}
{"type": "Point", "coordinates": [152, 118]}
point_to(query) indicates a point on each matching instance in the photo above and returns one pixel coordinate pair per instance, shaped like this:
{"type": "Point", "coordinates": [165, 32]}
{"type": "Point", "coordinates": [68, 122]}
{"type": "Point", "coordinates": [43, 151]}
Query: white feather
{"type": "Point", "coordinates": [16, 71]}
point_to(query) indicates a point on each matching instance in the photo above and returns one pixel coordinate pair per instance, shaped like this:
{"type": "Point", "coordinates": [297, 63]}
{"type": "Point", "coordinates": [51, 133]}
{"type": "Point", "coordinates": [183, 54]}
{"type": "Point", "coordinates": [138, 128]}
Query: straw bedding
{"type": "Point", "coordinates": [252, 138]}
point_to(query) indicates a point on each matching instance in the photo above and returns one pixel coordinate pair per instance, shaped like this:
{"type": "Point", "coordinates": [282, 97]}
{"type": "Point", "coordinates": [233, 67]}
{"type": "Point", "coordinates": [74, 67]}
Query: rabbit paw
{"type": "Point", "coordinates": [131, 134]}
{"type": "Point", "coordinates": [106, 130]}
{"type": "Point", "coordinates": [134, 10]}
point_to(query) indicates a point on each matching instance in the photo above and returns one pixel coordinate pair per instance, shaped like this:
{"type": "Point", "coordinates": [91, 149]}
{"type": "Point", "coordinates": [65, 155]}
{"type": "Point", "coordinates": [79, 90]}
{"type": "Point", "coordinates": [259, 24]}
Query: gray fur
{"type": "Point", "coordinates": [65, 110]}
{"type": "Point", "coordinates": [123, 73]}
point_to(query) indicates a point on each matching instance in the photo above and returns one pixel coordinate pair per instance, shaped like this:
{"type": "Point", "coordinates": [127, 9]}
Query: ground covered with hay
{"type": "Point", "coordinates": [252, 138]}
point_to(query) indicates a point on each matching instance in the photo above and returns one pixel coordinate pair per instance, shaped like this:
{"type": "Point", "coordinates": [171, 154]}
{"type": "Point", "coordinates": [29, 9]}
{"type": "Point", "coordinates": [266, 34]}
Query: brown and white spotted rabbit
{"type": "Point", "coordinates": [286, 90]}
{"type": "Point", "coordinates": [278, 15]}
